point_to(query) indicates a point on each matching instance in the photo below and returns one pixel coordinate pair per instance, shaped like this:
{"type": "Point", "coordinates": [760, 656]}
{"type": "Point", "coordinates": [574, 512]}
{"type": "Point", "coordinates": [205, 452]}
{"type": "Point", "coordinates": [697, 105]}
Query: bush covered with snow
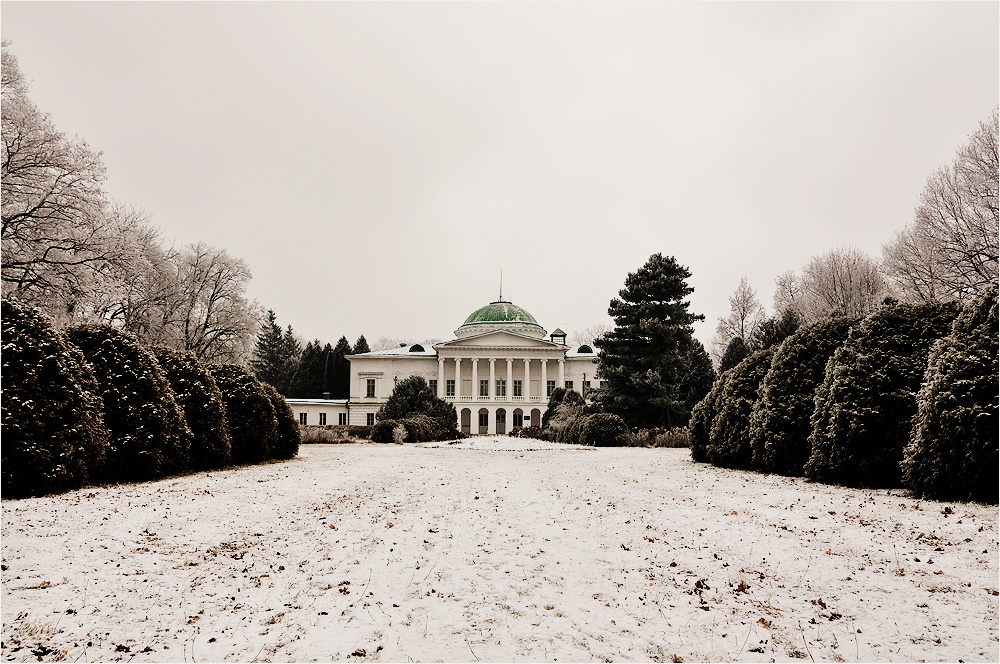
{"type": "Point", "coordinates": [287, 435]}
{"type": "Point", "coordinates": [952, 453]}
{"type": "Point", "coordinates": [54, 436]}
{"type": "Point", "coordinates": [148, 437]}
{"type": "Point", "coordinates": [729, 438]}
{"type": "Point", "coordinates": [413, 397]}
{"type": "Point", "coordinates": [868, 397]}
{"type": "Point", "coordinates": [780, 424]}
{"type": "Point", "coordinates": [253, 425]}
{"type": "Point", "coordinates": [603, 430]}
{"type": "Point", "coordinates": [204, 411]}
{"type": "Point", "coordinates": [703, 416]}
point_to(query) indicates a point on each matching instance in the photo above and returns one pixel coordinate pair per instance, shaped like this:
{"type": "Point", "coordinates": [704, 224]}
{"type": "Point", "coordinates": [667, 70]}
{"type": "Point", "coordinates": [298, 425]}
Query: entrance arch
{"type": "Point", "coordinates": [501, 421]}
{"type": "Point", "coordinates": [466, 421]}
{"type": "Point", "coordinates": [484, 421]}
{"type": "Point", "coordinates": [518, 418]}
{"type": "Point", "coordinates": [536, 417]}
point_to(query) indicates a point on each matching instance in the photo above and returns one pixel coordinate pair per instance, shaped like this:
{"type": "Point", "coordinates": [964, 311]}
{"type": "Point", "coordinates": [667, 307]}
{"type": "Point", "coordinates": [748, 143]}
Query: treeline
{"type": "Point", "coordinates": [90, 404]}
{"type": "Point", "coordinates": [298, 372]}
{"type": "Point", "coordinates": [82, 257]}
{"type": "Point", "coordinates": [905, 397]}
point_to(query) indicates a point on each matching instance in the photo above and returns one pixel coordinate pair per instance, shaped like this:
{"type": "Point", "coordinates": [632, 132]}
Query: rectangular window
{"type": "Point", "coordinates": [501, 389]}
{"type": "Point", "coordinates": [518, 419]}
{"type": "Point", "coordinates": [449, 388]}
{"type": "Point", "coordinates": [303, 418]}
{"type": "Point", "coordinates": [322, 419]}
{"type": "Point", "coordinates": [517, 389]}
{"type": "Point", "coordinates": [433, 384]}
{"type": "Point", "coordinates": [370, 419]}
{"type": "Point", "coordinates": [484, 387]}
{"type": "Point", "coordinates": [370, 387]}
{"type": "Point", "coordinates": [549, 386]}
{"type": "Point", "coordinates": [586, 386]}
{"type": "Point", "coordinates": [341, 418]}
{"type": "Point", "coordinates": [569, 385]}
{"type": "Point", "coordinates": [484, 420]}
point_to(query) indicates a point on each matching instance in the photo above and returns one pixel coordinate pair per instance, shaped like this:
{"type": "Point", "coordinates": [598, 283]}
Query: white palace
{"type": "Point", "coordinates": [499, 371]}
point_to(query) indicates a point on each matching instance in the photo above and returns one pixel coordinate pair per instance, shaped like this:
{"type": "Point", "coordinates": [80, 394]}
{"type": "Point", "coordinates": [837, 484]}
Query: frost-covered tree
{"type": "Point", "coordinates": [589, 334]}
{"type": "Point", "coordinates": [54, 438]}
{"type": "Point", "coordinates": [253, 426]}
{"type": "Point", "coordinates": [204, 410]}
{"type": "Point", "coordinates": [149, 437]}
{"type": "Point", "coordinates": [729, 438]}
{"type": "Point", "coordinates": [952, 452]}
{"type": "Point", "coordinates": [745, 315]}
{"type": "Point", "coordinates": [844, 281]}
{"type": "Point", "coordinates": [780, 424]}
{"type": "Point", "coordinates": [703, 416]}
{"type": "Point", "coordinates": [867, 400]}
{"type": "Point", "coordinates": [287, 436]}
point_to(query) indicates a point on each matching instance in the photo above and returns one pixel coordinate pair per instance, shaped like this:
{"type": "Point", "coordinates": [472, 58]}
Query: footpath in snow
{"type": "Point", "coordinates": [496, 549]}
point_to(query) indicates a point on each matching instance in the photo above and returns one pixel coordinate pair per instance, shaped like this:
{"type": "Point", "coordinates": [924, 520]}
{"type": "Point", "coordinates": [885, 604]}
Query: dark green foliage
{"type": "Point", "coordinates": [643, 358]}
{"type": "Point", "coordinates": [571, 433]}
{"type": "Point", "coordinates": [527, 432]}
{"type": "Point", "coordinates": [411, 397]}
{"type": "Point", "coordinates": [204, 411]}
{"type": "Point", "coordinates": [308, 381]}
{"type": "Point", "coordinates": [952, 453]}
{"type": "Point", "coordinates": [54, 437]}
{"type": "Point", "coordinates": [729, 439]}
{"type": "Point", "coordinates": [697, 378]}
{"type": "Point", "coordinates": [287, 434]}
{"type": "Point", "coordinates": [253, 425]}
{"type": "Point", "coordinates": [603, 430]}
{"type": "Point", "coordinates": [340, 370]}
{"type": "Point", "coordinates": [382, 432]}
{"type": "Point", "coordinates": [703, 416]}
{"type": "Point", "coordinates": [775, 330]}
{"type": "Point", "coordinates": [419, 429]}
{"type": "Point", "coordinates": [148, 437]}
{"type": "Point", "coordinates": [359, 431]}
{"type": "Point", "coordinates": [555, 399]}
{"type": "Point", "coordinates": [360, 346]}
{"type": "Point", "coordinates": [276, 357]}
{"type": "Point", "coordinates": [868, 398]}
{"type": "Point", "coordinates": [780, 425]}
{"type": "Point", "coordinates": [735, 352]}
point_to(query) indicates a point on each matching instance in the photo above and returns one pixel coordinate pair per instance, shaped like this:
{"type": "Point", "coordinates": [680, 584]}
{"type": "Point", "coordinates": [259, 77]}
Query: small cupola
{"type": "Point", "coordinates": [558, 337]}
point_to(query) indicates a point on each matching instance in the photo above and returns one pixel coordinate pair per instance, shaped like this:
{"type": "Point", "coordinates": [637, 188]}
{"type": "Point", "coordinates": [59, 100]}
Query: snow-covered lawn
{"type": "Point", "coordinates": [496, 549]}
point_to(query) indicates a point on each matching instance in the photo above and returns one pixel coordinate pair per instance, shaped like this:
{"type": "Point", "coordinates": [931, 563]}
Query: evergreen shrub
{"type": "Point", "coordinates": [382, 431]}
{"type": "Point", "coordinates": [603, 430]}
{"type": "Point", "coordinates": [780, 424]}
{"type": "Point", "coordinates": [411, 397]}
{"type": "Point", "coordinates": [729, 439]}
{"type": "Point", "coordinates": [253, 426]}
{"type": "Point", "coordinates": [703, 417]}
{"type": "Point", "coordinates": [54, 438]}
{"type": "Point", "coordinates": [148, 437]}
{"type": "Point", "coordinates": [952, 452]}
{"type": "Point", "coordinates": [867, 400]}
{"type": "Point", "coordinates": [359, 431]}
{"type": "Point", "coordinates": [204, 411]}
{"type": "Point", "coordinates": [533, 431]}
{"type": "Point", "coordinates": [287, 435]}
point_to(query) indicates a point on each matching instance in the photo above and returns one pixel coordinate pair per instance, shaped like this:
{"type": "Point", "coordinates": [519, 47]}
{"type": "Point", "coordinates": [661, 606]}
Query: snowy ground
{"type": "Point", "coordinates": [496, 549]}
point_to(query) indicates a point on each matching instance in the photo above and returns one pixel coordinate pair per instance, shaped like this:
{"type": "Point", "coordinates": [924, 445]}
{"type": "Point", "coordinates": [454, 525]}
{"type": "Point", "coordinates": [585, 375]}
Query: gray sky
{"type": "Point", "coordinates": [378, 164]}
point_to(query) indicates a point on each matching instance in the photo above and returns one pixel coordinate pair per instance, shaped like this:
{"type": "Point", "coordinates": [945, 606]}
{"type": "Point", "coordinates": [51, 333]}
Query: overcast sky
{"type": "Point", "coordinates": [378, 164]}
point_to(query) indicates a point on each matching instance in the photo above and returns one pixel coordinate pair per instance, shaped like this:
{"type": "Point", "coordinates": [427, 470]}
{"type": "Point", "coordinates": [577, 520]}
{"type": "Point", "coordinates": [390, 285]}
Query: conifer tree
{"type": "Point", "coordinates": [340, 387]}
{"type": "Point", "coordinates": [642, 358]}
{"type": "Point", "coordinates": [360, 346]}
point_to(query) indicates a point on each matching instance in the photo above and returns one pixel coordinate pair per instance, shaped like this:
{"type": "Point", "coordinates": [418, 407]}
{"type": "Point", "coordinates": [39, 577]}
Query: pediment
{"type": "Point", "coordinates": [498, 339]}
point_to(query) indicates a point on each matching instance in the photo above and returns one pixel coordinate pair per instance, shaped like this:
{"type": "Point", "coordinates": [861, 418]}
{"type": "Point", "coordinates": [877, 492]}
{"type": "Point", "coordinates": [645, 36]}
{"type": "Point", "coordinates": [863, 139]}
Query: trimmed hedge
{"type": "Point", "coordinates": [148, 437]}
{"type": "Point", "coordinates": [729, 439]}
{"type": "Point", "coordinates": [54, 438]}
{"type": "Point", "coordinates": [780, 424]}
{"type": "Point", "coordinates": [703, 416]}
{"type": "Point", "coordinates": [287, 435]}
{"type": "Point", "coordinates": [253, 426]}
{"type": "Point", "coordinates": [868, 398]}
{"type": "Point", "coordinates": [953, 449]}
{"type": "Point", "coordinates": [204, 411]}
{"type": "Point", "coordinates": [603, 430]}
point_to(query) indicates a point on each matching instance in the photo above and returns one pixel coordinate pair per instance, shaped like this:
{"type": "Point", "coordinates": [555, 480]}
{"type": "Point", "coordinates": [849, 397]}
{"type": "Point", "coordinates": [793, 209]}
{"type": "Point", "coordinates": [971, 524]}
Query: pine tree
{"type": "Point", "coordinates": [340, 387]}
{"type": "Point", "coordinates": [276, 356]}
{"type": "Point", "coordinates": [360, 346]}
{"type": "Point", "coordinates": [735, 352]}
{"type": "Point", "coordinates": [642, 359]}
{"type": "Point", "coordinates": [698, 375]}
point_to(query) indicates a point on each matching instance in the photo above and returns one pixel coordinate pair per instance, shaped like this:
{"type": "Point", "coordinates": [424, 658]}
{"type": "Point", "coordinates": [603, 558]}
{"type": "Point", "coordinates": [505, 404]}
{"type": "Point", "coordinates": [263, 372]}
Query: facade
{"type": "Point", "coordinates": [499, 371]}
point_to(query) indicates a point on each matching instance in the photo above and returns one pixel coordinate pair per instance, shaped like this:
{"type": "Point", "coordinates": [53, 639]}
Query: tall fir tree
{"type": "Point", "coordinates": [360, 346]}
{"type": "Point", "coordinates": [340, 388]}
{"type": "Point", "coordinates": [276, 355]}
{"type": "Point", "coordinates": [643, 358]}
{"type": "Point", "coordinates": [308, 380]}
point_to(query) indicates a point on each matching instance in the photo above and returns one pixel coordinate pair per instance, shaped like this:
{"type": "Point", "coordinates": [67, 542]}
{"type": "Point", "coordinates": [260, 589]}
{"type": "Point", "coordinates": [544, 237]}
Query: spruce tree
{"type": "Point", "coordinates": [699, 376]}
{"type": "Point", "coordinates": [360, 346]}
{"type": "Point", "coordinates": [736, 351]}
{"type": "Point", "coordinates": [340, 388]}
{"type": "Point", "coordinates": [642, 358]}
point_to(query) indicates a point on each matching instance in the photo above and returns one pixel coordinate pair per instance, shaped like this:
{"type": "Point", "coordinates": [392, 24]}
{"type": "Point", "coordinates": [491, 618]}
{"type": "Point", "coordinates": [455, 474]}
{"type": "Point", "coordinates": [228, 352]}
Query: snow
{"type": "Point", "coordinates": [496, 549]}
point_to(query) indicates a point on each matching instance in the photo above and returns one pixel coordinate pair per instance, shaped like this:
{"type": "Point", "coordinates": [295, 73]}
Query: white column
{"type": "Point", "coordinates": [510, 379]}
{"type": "Point", "coordinates": [440, 389]}
{"type": "Point", "coordinates": [475, 381]}
{"type": "Point", "coordinates": [493, 379]}
{"type": "Point", "coordinates": [458, 378]}
{"type": "Point", "coordinates": [526, 392]}
{"type": "Point", "coordinates": [562, 373]}
{"type": "Point", "coordinates": [545, 381]}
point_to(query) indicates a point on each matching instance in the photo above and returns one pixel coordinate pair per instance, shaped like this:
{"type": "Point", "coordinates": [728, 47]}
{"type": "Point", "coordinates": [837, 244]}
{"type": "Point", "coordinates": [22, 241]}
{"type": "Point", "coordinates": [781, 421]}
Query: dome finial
{"type": "Point", "coordinates": [501, 285]}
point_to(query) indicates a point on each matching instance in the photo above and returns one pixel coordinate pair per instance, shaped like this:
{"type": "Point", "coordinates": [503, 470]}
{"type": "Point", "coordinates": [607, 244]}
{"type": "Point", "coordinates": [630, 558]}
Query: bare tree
{"type": "Point", "coordinates": [385, 343]}
{"type": "Point", "coordinates": [950, 249]}
{"type": "Point", "coordinates": [588, 334]}
{"type": "Point", "coordinates": [788, 294]}
{"type": "Point", "coordinates": [745, 314]}
{"type": "Point", "coordinates": [843, 281]}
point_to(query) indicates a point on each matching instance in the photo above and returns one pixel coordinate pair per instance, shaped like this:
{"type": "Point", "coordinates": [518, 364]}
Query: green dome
{"type": "Point", "coordinates": [500, 315]}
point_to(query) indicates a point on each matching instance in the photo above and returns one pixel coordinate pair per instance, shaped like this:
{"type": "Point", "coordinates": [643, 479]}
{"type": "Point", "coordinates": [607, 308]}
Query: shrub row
{"type": "Point", "coordinates": [905, 397]}
{"type": "Point", "coordinates": [91, 405]}
{"type": "Point", "coordinates": [415, 429]}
